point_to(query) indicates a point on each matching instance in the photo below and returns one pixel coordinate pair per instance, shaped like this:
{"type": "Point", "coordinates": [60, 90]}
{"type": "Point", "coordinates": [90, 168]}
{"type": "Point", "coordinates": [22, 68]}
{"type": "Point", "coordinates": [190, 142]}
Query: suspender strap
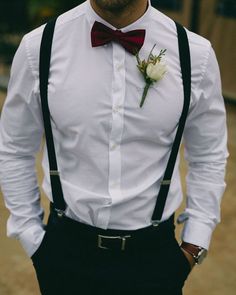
{"type": "Point", "coordinates": [185, 63]}
{"type": "Point", "coordinates": [45, 57]}
{"type": "Point", "coordinates": [44, 68]}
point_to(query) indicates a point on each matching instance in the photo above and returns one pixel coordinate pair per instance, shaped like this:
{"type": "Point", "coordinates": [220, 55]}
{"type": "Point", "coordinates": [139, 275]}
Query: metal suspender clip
{"type": "Point", "coordinates": [60, 213]}
{"type": "Point", "coordinates": [166, 182]}
{"type": "Point", "coordinates": [155, 223]}
{"type": "Point", "coordinates": [54, 173]}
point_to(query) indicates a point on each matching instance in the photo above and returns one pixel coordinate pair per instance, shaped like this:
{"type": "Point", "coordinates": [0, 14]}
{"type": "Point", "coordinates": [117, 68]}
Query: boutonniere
{"type": "Point", "coordinates": [153, 70]}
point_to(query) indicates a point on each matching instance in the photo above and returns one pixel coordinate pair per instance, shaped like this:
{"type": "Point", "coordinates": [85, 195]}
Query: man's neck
{"type": "Point", "coordinates": [122, 18]}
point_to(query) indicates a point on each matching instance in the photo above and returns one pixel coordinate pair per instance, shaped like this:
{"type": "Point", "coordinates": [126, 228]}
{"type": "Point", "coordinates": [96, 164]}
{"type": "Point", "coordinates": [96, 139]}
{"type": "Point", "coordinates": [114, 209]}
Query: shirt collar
{"type": "Point", "coordinates": [140, 23]}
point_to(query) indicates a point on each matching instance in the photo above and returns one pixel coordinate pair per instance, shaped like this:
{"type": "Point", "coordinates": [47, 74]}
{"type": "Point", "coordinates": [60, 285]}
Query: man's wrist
{"type": "Point", "coordinates": [198, 253]}
{"type": "Point", "coordinates": [31, 238]}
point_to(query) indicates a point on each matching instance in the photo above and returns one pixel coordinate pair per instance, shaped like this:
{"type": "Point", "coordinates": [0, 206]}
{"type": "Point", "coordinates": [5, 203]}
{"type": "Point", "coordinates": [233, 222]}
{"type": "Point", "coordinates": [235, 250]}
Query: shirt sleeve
{"type": "Point", "coordinates": [205, 142]}
{"type": "Point", "coordinates": [20, 138]}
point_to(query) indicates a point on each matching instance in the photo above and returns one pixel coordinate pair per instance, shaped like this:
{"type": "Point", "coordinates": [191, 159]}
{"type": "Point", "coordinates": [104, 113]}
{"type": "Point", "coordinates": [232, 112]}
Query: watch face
{"type": "Point", "coordinates": [201, 256]}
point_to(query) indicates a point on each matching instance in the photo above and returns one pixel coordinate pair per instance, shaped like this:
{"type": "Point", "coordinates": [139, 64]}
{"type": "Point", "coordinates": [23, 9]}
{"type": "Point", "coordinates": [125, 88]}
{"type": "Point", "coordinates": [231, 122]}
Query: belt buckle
{"type": "Point", "coordinates": [121, 238]}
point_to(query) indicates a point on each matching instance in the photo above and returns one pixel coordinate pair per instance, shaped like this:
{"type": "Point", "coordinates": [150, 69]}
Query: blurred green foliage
{"type": "Point", "coordinates": [41, 10]}
{"type": "Point", "coordinates": [20, 16]}
{"type": "Point", "coordinates": [23, 15]}
{"type": "Point", "coordinates": [37, 5]}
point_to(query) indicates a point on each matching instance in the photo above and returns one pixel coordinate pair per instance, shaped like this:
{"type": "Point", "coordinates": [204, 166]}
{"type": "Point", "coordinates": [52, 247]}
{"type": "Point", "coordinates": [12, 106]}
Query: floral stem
{"type": "Point", "coordinates": [145, 91]}
{"type": "Point", "coordinates": [148, 60]}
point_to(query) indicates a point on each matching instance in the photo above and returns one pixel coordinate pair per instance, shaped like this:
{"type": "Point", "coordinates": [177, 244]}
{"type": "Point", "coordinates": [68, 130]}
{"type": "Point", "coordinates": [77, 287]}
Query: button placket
{"type": "Point", "coordinates": [118, 96]}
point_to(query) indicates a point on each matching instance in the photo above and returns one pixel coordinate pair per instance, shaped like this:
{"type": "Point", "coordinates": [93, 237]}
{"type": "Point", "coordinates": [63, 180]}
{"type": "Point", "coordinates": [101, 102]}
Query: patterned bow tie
{"type": "Point", "coordinates": [132, 41]}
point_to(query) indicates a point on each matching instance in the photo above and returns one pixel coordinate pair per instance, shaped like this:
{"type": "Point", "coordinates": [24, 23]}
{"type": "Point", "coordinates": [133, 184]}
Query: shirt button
{"type": "Point", "coordinates": [114, 184]}
{"type": "Point", "coordinates": [113, 146]}
{"type": "Point", "coordinates": [116, 109]}
{"type": "Point", "coordinates": [119, 67]}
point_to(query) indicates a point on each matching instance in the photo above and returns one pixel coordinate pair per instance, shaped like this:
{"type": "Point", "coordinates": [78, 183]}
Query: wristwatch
{"type": "Point", "coordinates": [198, 253]}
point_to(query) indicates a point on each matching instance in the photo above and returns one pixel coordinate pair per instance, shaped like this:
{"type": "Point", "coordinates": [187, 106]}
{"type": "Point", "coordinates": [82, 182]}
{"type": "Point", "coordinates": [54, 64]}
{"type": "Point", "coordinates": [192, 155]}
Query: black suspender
{"type": "Point", "coordinates": [44, 67]}
{"type": "Point", "coordinates": [45, 57]}
{"type": "Point", "coordinates": [185, 62]}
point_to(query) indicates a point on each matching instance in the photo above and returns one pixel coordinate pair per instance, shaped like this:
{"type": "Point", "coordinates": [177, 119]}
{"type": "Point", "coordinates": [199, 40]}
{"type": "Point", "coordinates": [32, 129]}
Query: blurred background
{"type": "Point", "coordinates": [213, 19]}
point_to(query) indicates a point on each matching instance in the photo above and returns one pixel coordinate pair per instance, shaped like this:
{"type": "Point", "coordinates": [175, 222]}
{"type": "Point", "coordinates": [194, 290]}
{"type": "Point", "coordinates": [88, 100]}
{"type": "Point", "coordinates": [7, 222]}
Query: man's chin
{"type": "Point", "coordinates": [114, 6]}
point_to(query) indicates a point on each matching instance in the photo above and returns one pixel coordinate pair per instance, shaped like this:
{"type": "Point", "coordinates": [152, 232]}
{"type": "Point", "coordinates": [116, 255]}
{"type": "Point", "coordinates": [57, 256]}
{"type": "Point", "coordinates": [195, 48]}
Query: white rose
{"type": "Point", "coordinates": [156, 71]}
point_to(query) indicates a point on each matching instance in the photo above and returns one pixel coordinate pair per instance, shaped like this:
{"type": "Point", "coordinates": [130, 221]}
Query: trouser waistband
{"type": "Point", "coordinates": [114, 239]}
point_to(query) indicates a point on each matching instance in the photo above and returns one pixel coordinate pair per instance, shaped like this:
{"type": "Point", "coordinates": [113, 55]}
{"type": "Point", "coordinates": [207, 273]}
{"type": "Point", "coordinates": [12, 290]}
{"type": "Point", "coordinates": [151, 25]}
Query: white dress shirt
{"type": "Point", "coordinates": [111, 153]}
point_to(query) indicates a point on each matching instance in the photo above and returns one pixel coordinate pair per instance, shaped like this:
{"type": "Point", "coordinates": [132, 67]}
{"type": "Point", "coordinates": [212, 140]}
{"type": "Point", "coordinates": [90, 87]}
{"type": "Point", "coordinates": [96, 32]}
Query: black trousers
{"type": "Point", "coordinates": [69, 260]}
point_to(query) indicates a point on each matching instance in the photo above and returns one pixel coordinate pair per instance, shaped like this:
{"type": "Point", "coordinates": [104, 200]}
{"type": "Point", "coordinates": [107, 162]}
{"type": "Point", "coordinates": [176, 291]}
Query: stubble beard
{"type": "Point", "coordinates": [114, 6]}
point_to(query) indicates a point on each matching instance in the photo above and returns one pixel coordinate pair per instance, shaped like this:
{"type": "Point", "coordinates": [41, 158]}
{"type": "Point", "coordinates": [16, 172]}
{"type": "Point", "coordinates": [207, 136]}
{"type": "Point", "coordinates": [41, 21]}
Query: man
{"type": "Point", "coordinates": [112, 153]}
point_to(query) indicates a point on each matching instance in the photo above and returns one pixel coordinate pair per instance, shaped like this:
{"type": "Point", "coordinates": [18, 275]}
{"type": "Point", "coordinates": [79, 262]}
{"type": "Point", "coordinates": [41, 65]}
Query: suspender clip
{"type": "Point", "coordinates": [54, 173]}
{"type": "Point", "coordinates": [166, 182]}
{"type": "Point", "coordinates": [155, 223]}
{"type": "Point", "coordinates": [60, 213]}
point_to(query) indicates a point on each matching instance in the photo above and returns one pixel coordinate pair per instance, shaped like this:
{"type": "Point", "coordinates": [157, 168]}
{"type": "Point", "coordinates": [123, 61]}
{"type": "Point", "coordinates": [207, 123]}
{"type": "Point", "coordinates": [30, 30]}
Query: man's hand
{"type": "Point", "coordinates": [190, 258]}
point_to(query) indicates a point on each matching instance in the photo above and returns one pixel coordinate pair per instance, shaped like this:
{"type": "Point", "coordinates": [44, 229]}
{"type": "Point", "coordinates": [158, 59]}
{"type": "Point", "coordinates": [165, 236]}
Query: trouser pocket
{"type": "Point", "coordinates": [47, 245]}
{"type": "Point", "coordinates": [172, 267]}
{"type": "Point", "coordinates": [41, 247]}
{"type": "Point", "coordinates": [48, 257]}
{"type": "Point", "coordinates": [182, 264]}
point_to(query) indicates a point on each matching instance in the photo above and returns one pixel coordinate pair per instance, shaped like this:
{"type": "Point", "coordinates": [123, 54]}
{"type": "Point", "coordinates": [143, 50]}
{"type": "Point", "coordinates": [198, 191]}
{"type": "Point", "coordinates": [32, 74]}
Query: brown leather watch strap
{"type": "Point", "coordinates": [191, 249]}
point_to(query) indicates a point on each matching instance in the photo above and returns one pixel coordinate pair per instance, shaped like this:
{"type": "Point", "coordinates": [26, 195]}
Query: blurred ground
{"type": "Point", "coordinates": [217, 276]}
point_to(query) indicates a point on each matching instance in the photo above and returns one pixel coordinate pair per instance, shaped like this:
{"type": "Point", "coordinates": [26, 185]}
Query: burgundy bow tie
{"type": "Point", "coordinates": [132, 41]}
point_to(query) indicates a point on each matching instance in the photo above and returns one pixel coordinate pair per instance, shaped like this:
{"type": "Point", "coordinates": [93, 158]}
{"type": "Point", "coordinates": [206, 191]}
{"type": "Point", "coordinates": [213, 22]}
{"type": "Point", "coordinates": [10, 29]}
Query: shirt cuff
{"type": "Point", "coordinates": [197, 233]}
{"type": "Point", "coordinates": [31, 239]}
